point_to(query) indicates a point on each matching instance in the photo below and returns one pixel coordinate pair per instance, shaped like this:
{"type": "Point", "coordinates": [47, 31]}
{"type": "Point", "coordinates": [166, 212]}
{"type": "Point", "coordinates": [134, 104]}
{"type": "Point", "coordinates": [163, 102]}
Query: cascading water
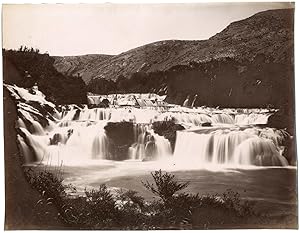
{"type": "Point", "coordinates": [253, 118]}
{"type": "Point", "coordinates": [148, 145]}
{"type": "Point", "coordinates": [79, 135]}
{"type": "Point", "coordinates": [232, 146]}
{"type": "Point", "coordinates": [198, 119]}
{"type": "Point", "coordinates": [76, 135]}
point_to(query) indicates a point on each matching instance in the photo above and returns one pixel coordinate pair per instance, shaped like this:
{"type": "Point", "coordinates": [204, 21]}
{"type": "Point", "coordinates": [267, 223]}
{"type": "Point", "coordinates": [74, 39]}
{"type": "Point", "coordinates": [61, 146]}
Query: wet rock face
{"type": "Point", "coordinates": [168, 130]}
{"type": "Point", "coordinates": [120, 136]}
{"type": "Point", "coordinates": [55, 139]}
{"type": "Point", "coordinates": [205, 124]}
{"type": "Point", "coordinates": [290, 151]}
{"type": "Point", "coordinates": [120, 132]}
{"type": "Point", "coordinates": [32, 108]}
{"type": "Point", "coordinates": [283, 119]}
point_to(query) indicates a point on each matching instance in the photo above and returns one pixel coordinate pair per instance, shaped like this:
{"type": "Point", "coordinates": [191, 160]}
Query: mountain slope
{"type": "Point", "coordinates": [74, 65]}
{"type": "Point", "coordinates": [269, 33]}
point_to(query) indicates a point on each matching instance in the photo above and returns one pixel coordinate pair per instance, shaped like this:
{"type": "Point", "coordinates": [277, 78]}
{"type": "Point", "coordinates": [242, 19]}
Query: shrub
{"type": "Point", "coordinates": [232, 200]}
{"type": "Point", "coordinates": [101, 205]}
{"type": "Point", "coordinates": [165, 185]}
{"type": "Point", "coordinates": [47, 183]}
{"type": "Point", "coordinates": [191, 210]}
{"type": "Point", "coordinates": [100, 209]}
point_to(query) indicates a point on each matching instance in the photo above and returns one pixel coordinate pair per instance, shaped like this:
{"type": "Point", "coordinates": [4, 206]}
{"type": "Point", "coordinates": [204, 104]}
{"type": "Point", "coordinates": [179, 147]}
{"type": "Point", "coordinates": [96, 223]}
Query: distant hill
{"type": "Point", "coordinates": [269, 33]}
{"type": "Point", "coordinates": [82, 65]}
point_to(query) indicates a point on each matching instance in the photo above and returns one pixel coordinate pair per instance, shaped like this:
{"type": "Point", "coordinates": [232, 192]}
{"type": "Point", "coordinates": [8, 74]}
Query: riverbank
{"type": "Point", "coordinates": [272, 189]}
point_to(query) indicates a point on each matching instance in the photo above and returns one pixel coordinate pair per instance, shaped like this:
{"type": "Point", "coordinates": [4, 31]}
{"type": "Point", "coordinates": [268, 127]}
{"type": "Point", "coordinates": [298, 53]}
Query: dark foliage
{"type": "Point", "coordinates": [101, 209]}
{"type": "Point", "coordinates": [102, 86]}
{"type": "Point", "coordinates": [231, 83]}
{"type": "Point", "coordinates": [193, 211]}
{"type": "Point", "coordinates": [165, 186]}
{"type": "Point", "coordinates": [139, 82]}
{"type": "Point", "coordinates": [224, 82]}
{"type": "Point", "coordinates": [27, 66]}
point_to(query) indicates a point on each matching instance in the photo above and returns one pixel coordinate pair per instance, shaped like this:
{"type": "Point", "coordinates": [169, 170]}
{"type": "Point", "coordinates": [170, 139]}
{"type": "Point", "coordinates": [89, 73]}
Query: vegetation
{"type": "Point", "coordinates": [139, 82]}
{"type": "Point", "coordinates": [103, 209]}
{"type": "Point", "coordinates": [252, 82]}
{"type": "Point", "coordinates": [243, 83]}
{"type": "Point", "coordinates": [25, 67]}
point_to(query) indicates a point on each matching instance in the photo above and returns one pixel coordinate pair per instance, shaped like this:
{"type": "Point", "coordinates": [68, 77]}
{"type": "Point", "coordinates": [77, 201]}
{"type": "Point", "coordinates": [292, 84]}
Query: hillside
{"type": "Point", "coordinates": [269, 33]}
{"type": "Point", "coordinates": [83, 65]}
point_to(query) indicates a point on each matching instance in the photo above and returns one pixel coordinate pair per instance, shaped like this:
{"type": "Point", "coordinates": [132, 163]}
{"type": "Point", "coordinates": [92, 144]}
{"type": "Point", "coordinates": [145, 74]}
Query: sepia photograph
{"type": "Point", "coordinates": [165, 116]}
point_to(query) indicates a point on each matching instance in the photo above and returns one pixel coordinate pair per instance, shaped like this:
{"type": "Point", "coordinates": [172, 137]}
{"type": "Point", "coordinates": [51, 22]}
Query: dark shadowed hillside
{"type": "Point", "coordinates": [269, 33]}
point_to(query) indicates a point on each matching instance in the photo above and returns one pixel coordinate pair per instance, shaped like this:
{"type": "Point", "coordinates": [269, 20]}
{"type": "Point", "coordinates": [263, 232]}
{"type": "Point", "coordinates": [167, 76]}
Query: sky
{"type": "Point", "coordinates": [66, 29]}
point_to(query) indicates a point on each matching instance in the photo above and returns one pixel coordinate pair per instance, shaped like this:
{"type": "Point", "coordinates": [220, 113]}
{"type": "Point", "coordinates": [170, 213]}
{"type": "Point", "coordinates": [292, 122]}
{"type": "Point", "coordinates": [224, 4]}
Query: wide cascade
{"type": "Point", "coordinates": [231, 146]}
{"type": "Point", "coordinates": [73, 134]}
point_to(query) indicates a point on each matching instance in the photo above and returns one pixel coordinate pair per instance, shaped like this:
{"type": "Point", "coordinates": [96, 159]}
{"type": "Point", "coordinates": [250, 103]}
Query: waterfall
{"type": "Point", "coordinates": [222, 118]}
{"type": "Point", "coordinates": [37, 142]}
{"type": "Point", "coordinates": [76, 134]}
{"type": "Point", "coordinates": [149, 145]}
{"type": "Point", "coordinates": [20, 123]}
{"type": "Point", "coordinates": [100, 146]}
{"type": "Point", "coordinates": [163, 146]}
{"type": "Point", "coordinates": [251, 119]}
{"type": "Point", "coordinates": [137, 150]}
{"type": "Point", "coordinates": [260, 152]}
{"type": "Point", "coordinates": [95, 114]}
{"type": "Point", "coordinates": [189, 118]}
{"type": "Point", "coordinates": [232, 147]}
{"type": "Point", "coordinates": [25, 150]}
{"type": "Point", "coordinates": [79, 143]}
{"type": "Point", "coordinates": [38, 129]}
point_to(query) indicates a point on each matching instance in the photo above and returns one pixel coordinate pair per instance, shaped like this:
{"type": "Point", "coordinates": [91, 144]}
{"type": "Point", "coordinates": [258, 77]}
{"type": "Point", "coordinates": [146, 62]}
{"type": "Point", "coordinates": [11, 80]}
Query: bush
{"type": "Point", "coordinates": [165, 186]}
{"type": "Point", "coordinates": [49, 184]}
{"type": "Point", "coordinates": [101, 205]}
{"type": "Point", "coordinates": [100, 209]}
{"type": "Point", "coordinates": [192, 210]}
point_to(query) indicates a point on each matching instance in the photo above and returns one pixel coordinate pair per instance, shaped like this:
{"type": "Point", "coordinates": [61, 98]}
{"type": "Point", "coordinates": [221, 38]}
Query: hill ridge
{"type": "Point", "coordinates": [268, 32]}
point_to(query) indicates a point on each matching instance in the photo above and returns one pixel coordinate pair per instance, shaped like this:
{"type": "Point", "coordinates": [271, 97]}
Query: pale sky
{"type": "Point", "coordinates": [64, 29]}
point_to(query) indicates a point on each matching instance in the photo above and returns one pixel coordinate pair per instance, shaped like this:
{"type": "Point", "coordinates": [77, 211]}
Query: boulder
{"type": "Point", "coordinates": [168, 130]}
{"type": "Point", "coordinates": [205, 124]}
{"type": "Point", "coordinates": [120, 138]}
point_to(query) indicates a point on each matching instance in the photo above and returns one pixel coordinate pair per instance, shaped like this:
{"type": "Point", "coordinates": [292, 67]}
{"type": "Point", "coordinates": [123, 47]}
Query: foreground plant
{"type": "Point", "coordinates": [102, 209]}
{"type": "Point", "coordinates": [165, 185]}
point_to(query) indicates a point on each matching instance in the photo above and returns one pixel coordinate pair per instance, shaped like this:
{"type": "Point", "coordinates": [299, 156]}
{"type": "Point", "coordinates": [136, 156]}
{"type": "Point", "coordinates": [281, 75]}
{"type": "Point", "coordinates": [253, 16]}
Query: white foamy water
{"type": "Point", "coordinates": [231, 147]}
{"type": "Point", "coordinates": [76, 136]}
